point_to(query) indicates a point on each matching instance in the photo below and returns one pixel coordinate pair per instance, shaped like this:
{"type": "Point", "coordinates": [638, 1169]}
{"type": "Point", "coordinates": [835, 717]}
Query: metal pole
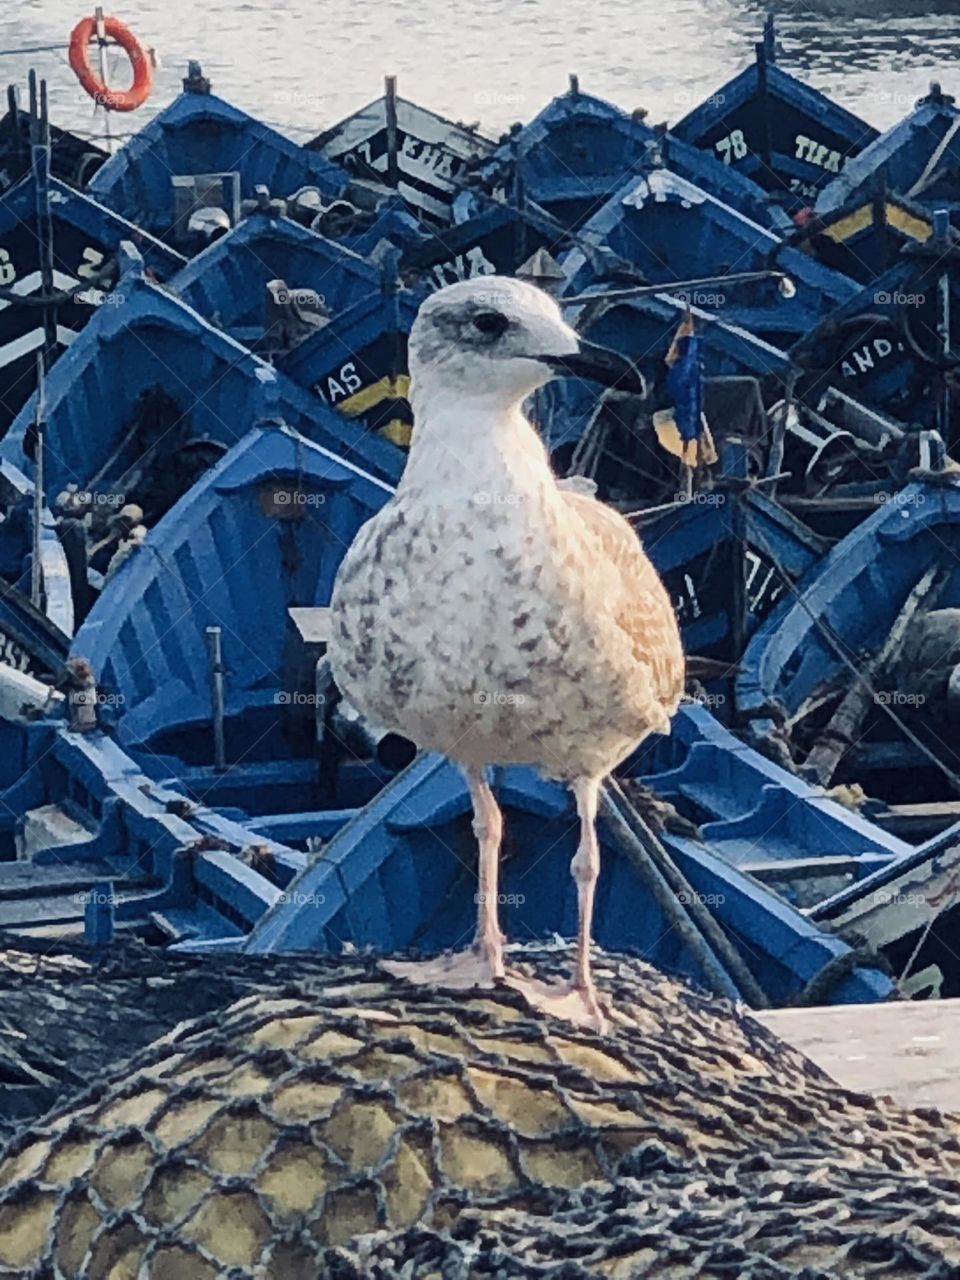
{"type": "Point", "coordinates": [102, 50]}
{"type": "Point", "coordinates": [943, 289]}
{"type": "Point", "coordinates": [216, 693]}
{"type": "Point", "coordinates": [36, 577]}
{"type": "Point", "coordinates": [393, 133]}
{"type": "Point", "coordinates": [40, 161]}
{"type": "Point", "coordinates": [32, 83]}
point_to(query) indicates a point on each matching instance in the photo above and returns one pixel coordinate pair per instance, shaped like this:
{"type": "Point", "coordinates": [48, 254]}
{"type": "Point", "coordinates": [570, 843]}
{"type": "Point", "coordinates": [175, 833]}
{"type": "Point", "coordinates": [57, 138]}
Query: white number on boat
{"type": "Point", "coordinates": [8, 272]}
{"type": "Point", "coordinates": [91, 261]}
{"type": "Point", "coordinates": [732, 147]}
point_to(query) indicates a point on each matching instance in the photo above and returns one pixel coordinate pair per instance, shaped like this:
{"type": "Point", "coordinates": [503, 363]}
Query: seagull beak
{"type": "Point", "coordinates": [599, 364]}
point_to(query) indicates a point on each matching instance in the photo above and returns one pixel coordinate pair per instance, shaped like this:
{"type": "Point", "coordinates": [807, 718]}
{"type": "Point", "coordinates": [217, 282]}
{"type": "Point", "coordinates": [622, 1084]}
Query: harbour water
{"type": "Point", "coordinates": [303, 65]}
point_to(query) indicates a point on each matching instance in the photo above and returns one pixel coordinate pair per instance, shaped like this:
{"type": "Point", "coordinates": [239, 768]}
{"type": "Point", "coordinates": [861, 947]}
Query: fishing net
{"type": "Point", "coordinates": [351, 1126]}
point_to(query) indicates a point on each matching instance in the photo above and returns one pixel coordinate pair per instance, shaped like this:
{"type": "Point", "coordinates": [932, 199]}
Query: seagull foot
{"type": "Point", "coordinates": [459, 971]}
{"type": "Point", "coordinates": [567, 1001]}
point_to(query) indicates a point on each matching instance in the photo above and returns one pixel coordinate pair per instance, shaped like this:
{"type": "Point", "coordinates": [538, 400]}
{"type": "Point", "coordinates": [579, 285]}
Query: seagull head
{"type": "Point", "coordinates": [500, 337]}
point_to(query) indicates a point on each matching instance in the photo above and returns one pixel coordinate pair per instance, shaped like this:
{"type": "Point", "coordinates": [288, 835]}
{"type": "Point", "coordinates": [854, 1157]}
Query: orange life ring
{"type": "Point", "coordinates": [112, 99]}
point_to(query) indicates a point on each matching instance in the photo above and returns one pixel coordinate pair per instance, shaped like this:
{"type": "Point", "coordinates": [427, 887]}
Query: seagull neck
{"type": "Point", "coordinates": [460, 441]}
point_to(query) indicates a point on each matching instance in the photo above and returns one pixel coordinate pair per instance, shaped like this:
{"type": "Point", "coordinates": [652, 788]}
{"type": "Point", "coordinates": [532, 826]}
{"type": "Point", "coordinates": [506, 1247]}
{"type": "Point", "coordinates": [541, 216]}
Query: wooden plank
{"type": "Point", "coordinates": [907, 1050]}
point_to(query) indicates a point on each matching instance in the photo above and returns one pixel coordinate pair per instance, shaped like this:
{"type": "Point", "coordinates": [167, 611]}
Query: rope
{"type": "Point", "coordinates": [926, 177]}
{"type": "Point", "coordinates": [840, 650]}
{"type": "Point", "coordinates": [838, 968]}
{"type": "Point", "coordinates": [33, 48]}
{"type": "Point", "coordinates": [100, 280]}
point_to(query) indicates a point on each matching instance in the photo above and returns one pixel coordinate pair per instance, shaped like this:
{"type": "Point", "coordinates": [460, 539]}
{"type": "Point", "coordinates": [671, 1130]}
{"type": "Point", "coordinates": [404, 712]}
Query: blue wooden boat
{"type": "Point", "coordinates": [395, 143]}
{"type": "Point", "coordinates": [393, 225]}
{"type": "Point", "coordinates": [487, 237]}
{"type": "Point", "coordinates": [398, 873]}
{"type": "Point", "coordinates": [727, 560]}
{"type": "Point", "coordinates": [907, 910]}
{"type": "Point", "coordinates": [390, 885]}
{"type": "Point", "coordinates": [91, 848]}
{"type": "Point", "coordinates": [893, 579]}
{"type": "Point", "coordinates": [29, 640]}
{"type": "Point", "coordinates": [789, 138]}
{"type": "Point", "coordinates": [200, 155]}
{"type": "Point", "coordinates": [147, 397]}
{"type": "Point", "coordinates": [577, 152]}
{"type": "Point", "coordinates": [228, 282]}
{"type": "Point", "coordinates": [884, 346]}
{"type": "Point", "coordinates": [72, 159]}
{"type": "Point", "coordinates": [670, 229]}
{"type": "Point", "coordinates": [84, 237]}
{"type": "Point", "coordinates": [917, 158]}
{"type": "Point", "coordinates": [864, 237]}
{"type": "Point", "coordinates": [102, 841]}
{"type": "Point", "coordinates": [357, 364]}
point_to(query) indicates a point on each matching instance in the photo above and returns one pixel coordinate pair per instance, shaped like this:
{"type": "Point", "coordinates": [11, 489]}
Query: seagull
{"type": "Point", "coordinates": [495, 615]}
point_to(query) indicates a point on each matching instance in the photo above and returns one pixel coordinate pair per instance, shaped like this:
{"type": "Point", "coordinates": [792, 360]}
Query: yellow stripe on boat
{"type": "Point", "coordinates": [398, 432]}
{"type": "Point", "coordinates": [852, 223]}
{"type": "Point", "coordinates": [899, 218]}
{"type": "Point", "coordinates": [917, 228]}
{"type": "Point", "coordinates": [369, 397]}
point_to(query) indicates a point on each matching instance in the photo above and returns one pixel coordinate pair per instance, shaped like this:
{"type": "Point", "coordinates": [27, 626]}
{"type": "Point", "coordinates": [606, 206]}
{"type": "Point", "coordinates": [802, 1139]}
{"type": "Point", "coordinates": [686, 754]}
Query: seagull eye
{"type": "Point", "coordinates": [491, 323]}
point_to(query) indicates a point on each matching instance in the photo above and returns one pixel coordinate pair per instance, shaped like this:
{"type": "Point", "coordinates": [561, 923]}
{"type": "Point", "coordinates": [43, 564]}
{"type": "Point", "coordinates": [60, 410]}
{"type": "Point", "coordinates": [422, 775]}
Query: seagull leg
{"type": "Point", "coordinates": [578, 1001]}
{"type": "Point", "coordinates": [482, 965]}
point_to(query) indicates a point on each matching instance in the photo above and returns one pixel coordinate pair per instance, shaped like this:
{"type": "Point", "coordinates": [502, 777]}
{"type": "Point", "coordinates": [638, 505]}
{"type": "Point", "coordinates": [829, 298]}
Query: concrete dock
{"type": "Point", "coordinates": [910, 1051]}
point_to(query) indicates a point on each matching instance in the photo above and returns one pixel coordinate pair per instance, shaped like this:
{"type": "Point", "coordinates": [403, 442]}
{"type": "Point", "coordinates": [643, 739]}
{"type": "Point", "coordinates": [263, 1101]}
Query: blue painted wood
{"type": "Point", "coordinates": [578, 151]}
{"type": "Point", "coordinates": [199, 133]}
{"type": "Point", "coordinates": [419, 830]}
{"type": "Point", "coordinates": [86, 236]}
{"type": "Point", "coordinates": [226, 282]}
{"type": "Point", "coordinates": [788, 137]}
{"type": "Point", "coordinates": [916, 158]}
{"type": "Point", "coordinates": [854, 595]}
{"type": "Point", "coordinates": [670, 229]}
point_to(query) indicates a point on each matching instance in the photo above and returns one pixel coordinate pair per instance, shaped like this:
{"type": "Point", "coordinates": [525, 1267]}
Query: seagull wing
{"type": "Point", "coordinates": [643, 610]}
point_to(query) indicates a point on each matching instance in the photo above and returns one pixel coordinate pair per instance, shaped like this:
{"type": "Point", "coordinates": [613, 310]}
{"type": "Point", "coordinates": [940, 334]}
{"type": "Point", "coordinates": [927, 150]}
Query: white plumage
{"type": "Point", "coordinates": [490, 614]}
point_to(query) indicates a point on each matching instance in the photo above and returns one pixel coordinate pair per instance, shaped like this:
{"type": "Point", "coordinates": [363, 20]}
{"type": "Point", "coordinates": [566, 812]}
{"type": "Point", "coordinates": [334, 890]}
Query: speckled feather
{"type": "Point", "coordinates": [488, 614]}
